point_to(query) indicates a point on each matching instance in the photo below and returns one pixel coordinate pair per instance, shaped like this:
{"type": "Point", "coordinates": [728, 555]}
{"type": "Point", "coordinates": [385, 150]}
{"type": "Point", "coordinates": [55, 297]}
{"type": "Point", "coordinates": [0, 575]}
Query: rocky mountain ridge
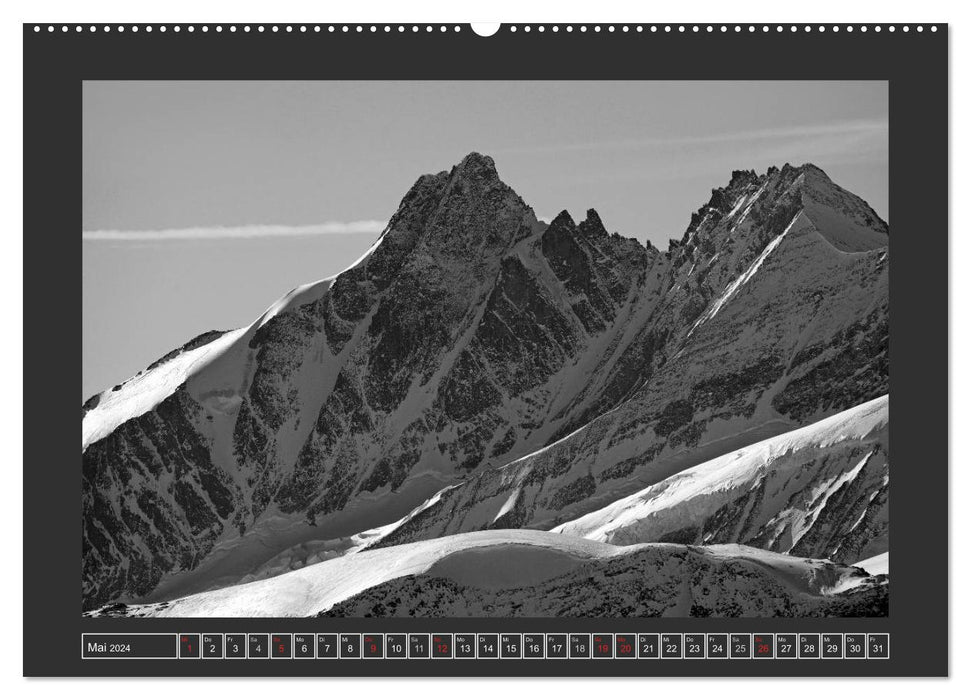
{"type": "Point", "coordinates": [471, 342]}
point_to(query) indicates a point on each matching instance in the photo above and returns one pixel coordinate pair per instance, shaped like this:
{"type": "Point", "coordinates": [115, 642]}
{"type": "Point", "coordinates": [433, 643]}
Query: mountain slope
{"type": "Point", "coordinates": [542, 370]}
{"type": "Point", "coordinates": [448, 346]}
{"type": "Point", "coordinates": [819, 491]}
{"type": "Point", "coordinates": [799, 333]}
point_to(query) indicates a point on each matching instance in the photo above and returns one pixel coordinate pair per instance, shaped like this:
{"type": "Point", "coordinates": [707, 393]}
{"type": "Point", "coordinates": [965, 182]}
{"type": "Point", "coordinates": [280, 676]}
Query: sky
{"type": "Point", "coordinates": [203, 202]}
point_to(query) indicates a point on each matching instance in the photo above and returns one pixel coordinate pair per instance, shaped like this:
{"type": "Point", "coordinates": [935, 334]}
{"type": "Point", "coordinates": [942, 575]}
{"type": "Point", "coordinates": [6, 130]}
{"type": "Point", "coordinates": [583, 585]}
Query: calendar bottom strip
{"type": "Point", "coordinates": [485, 646]}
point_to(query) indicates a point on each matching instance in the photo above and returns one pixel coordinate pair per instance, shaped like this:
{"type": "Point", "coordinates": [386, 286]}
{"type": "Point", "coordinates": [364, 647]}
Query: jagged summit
{"type": "Point", "coordinates": [472, 190]}
{"type": "Point", "coordinates": [473, 167]}
{"type": "Point", "coordinates": [770, 201]}
{"type": "Point", "coordinates": [741, 178]}
{"type": "Point", "coordinates": [789, 168]}
{"type": "Point", "coordinates": [476, 166]}
{"type": "Point", "coordinates": [476, 182]}
{"type": "Point", "coordinates": [563, 219]}
{"type": "Point", "coordinates": [592, 225]}
{"type": "Point", "coordinates": [466, 212]}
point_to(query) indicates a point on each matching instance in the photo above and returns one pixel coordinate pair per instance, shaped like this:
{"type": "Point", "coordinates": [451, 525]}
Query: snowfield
{"type": "Point", "coordinates": [146, 390]}
{"type": "Point", "coordinates": [876, 566]}
{"type": "Point", "coordinates": [318, 587]}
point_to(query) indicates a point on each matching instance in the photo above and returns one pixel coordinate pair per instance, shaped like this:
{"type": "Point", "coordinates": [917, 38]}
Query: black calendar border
{"type": "Point", "coordinates": [916, 66]}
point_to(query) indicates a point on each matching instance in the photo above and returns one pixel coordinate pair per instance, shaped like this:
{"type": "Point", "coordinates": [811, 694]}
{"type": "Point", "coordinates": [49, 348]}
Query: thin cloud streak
{"type": "Point", "coordinates": [845, 128]}
{"type": "Point", "coordinates": [369, 226]}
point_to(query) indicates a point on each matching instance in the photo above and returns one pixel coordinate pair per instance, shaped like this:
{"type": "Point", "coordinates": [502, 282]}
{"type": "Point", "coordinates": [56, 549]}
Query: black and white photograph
{"type": "Point", "coordinates": [485, 349]}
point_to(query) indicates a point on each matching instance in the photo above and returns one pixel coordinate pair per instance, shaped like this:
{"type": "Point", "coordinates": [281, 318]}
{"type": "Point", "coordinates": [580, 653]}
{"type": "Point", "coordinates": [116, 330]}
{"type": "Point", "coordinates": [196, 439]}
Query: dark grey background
{"type": "Point", "coordinates": [914, 63]}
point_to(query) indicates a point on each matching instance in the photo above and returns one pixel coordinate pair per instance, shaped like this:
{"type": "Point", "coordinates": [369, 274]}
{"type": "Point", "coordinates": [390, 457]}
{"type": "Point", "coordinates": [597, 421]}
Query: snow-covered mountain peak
{"type": "Point", "coordinates": [845, 220]}
{"type": "Point", "coordinates": [470, 336]}
{"type": "Point", "coordinates": [752, 210]}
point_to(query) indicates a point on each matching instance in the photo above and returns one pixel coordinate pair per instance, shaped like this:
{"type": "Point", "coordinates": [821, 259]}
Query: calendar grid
{"type": "Point", "coordinates": [512, 646]}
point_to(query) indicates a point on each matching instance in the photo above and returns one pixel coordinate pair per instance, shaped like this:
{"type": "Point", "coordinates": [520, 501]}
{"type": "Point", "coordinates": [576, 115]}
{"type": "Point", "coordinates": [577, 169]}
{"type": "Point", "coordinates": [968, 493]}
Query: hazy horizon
{"type": "Point", "coordinates": [204, 202]}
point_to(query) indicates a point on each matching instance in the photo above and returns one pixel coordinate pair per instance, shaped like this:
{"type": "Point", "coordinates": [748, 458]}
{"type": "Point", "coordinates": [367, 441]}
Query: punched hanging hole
{"type": "Point", "coordinates": [485, 28]}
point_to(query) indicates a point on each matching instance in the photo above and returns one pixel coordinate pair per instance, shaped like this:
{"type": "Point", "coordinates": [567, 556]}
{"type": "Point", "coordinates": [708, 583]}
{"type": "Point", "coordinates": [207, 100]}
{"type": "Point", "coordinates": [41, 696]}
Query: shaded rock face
{"type": "Point", "coordinates": [596, 271]}
{"type": "Point", "coordinates": [474, 335]}
{"type": "Point", "coordinates": [153, 501]}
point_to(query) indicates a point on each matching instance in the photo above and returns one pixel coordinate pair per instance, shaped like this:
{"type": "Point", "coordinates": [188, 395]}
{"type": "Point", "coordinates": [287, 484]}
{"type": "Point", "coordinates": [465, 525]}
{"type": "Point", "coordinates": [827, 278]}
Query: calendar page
{"type": "Point", "coordinates": [435, 350]}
